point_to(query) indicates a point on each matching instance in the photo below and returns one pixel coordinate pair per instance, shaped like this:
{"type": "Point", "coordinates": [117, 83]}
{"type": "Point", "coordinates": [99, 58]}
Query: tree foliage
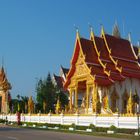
{"type": "Point", "coordinates": [62, 98]}
{"type": "Point", "coordinates": [19, 104]}
{"type": "Point", "coordinates": [45, 95]}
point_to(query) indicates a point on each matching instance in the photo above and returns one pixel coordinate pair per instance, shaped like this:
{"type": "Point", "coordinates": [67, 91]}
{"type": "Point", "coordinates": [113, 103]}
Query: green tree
{"type": "Point", "coordinates": [45, 94]}
{"type": "Point", "coordinates": [62, 98]}
{"type": "Point", "coordinates": [14, 107]}
{"type": "Point", "coordinates": [24, 100]}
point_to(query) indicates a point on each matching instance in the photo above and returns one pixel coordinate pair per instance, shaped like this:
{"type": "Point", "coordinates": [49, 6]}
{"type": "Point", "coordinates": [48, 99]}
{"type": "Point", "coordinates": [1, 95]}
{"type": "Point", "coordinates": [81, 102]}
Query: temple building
{"type": "Point", "coordinates": [59, 80]}
{"type": "Point", "coordinates": [5, 86]}
{"type": "Point", "coordinates": [104, 75]}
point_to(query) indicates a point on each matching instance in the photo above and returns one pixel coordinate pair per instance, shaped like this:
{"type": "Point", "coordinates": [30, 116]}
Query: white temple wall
{"type": "Point", "coordinates": [98, 121]}
{"type": "Point", "coordinates": [128, 85]}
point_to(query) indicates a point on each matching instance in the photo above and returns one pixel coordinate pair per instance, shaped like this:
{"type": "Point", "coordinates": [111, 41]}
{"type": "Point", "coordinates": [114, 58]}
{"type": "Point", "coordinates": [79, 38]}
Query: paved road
{"type": "Point", "coordinates": [7, 133]}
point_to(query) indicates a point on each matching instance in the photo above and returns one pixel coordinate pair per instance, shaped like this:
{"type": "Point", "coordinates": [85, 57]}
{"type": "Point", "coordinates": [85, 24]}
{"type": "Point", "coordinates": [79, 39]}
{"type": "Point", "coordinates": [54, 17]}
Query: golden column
{"type": "Point", "coordinates": [87, 97]}
{"type": "Point", "coordinates": [94, 99]}
{"type": "Point", "coordinates": [130, 104]}
{"type": "Point", "coordinates": [76, 96]}
{"type": "Point", "coordinates": [70, 99]}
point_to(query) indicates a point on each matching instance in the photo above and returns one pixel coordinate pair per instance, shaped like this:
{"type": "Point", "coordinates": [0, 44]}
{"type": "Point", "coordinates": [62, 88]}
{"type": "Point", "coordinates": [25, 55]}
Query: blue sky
{"type": "Point", "coordinates": [37, 36]}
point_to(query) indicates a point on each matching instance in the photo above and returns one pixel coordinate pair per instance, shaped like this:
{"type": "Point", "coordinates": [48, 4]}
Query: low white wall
{"type": "Point", "coordinates": [99, 121]}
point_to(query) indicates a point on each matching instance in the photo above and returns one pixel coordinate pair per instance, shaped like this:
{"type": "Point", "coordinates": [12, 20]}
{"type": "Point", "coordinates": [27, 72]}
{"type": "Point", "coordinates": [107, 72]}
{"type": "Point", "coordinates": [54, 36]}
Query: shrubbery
{"type": "Point", "coordinates": [78, 127]}
{"type": "Point", "coordinates": [101, 129]}
{"type": "Point", "coordinates": [2, 121]}
{"type": "Point", "coordinates": [113, 128]}
{"type": "Point", "coordinates": [92, 126]}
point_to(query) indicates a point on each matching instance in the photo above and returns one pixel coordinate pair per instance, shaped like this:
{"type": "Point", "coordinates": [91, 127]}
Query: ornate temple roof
{"type": "Point", "coordinates": [64, 70]}
{"type": "Point", "coordinates": [108, 57]}
{"type": "Point", "coordinates": [59, 81]}
{"type": "Point", "coordinates": [124, 54]}
{"type": "Point", "coordinates": [4, 84]}
{"type": "Point", "coordinates": [91, 60]}
{"type": "Point", "coordinates": [105, 59]}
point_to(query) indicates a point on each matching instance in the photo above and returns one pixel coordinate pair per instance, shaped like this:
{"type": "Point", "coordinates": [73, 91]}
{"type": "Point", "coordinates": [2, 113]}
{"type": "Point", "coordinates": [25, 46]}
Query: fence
{"type": "Point", "coordinates": [84, 120]}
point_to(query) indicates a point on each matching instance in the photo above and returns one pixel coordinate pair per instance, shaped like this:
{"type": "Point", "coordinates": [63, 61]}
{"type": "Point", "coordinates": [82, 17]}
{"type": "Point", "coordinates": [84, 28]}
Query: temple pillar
{"type": "Point", "coordinates": [87, 97]}
{"type": "Point", "coordinates": [130, 104]}
{"type": "Point", "coordinates": [73, 97]}
{"type": "Point", "coordinates": [120, 104]}
{"type": "Point", "coordinates": [76, 96]}
{"type": "Point", "coordinates": [70, 99]}
{"type": "Point", "coordinates": [94, 99]}
{"type": "Point", "coordinates": [4, 101]}
{"type": "Point", "coordinates": [109, 100]}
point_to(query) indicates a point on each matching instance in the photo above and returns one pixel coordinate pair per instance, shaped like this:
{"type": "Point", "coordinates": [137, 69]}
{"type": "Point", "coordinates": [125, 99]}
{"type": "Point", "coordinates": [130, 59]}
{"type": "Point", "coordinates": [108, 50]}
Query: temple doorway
{"type": "Point", "coordinates": [82, 96]}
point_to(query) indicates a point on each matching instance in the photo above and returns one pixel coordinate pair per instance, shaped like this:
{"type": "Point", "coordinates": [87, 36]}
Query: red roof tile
{"type": "Point", "coordinates": [122, 52]}
{"type": "Point", "coordinates": [59, 81]}
{"type": "Point", "coordinates": [65, 71]}
{"type": "Point", "coordinates": [89, 51]}
{"type": "Point", "coordinates": [105, 58]}
{"type": "Point", "coordinates": [120, 48]}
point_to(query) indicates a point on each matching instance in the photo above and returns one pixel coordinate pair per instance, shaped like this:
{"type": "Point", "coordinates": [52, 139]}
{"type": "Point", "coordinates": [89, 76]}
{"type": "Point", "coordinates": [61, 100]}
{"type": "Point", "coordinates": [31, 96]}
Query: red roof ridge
{"type": "Point", "coordinates": [104, 57]}
{"type": "Point", "coordinates": [118, 46]}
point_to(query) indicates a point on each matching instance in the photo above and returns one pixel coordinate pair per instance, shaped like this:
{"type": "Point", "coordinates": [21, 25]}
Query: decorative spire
{"type": "Point", "coordinates": [91, 31]}
{"type": "Point", "coordinates": [129, 37]}
{"type": "Point", "coordinates": [102, 29]}
{"type": "Point", "coordinates": [77, 29]}
{"type": "Point", "coordinates": [116, 31]}
{"type": "Point", "coordinates": [2, 61]}
{"type": "Point", "coordinates": [4, 84]}
{"type": "Point", "coordinates": [138, 43]}
{"type": "Point", "coordinates": [90, 27]}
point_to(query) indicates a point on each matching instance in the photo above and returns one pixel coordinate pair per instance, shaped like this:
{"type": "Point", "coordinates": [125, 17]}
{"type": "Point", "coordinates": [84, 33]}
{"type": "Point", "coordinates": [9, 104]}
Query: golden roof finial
{"type": "Point", "coordinates": [91, 32]}
{"type": "Point", "coordinates": [90, 27]}
{"type": "Point", "coordinates": [102, 29]}
{"type": "Point", "coordinates": [77, 30]}
{"type": "Point", "coordinates": [129, 37]}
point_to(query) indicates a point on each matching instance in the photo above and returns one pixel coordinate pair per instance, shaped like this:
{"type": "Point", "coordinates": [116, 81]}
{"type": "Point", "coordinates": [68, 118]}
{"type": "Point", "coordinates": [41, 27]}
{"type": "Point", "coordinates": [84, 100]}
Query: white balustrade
{"type": "Point", "coordinates": [99, 121]}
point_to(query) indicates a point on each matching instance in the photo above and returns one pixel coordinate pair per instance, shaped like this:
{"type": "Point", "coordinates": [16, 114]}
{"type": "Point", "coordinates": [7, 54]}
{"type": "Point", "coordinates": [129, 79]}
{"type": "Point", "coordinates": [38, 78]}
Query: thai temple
{"type": "Point", "coordinates": [5, 86]}
{"type": "Point", "coordinates": [104, 75]}
{"type": "Point", "coordinates": [59, 80]}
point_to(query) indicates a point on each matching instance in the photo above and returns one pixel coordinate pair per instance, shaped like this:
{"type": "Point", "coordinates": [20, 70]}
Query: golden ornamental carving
{"type": "Point", "coordinates": [81, 59]}
{"type": "Point", "coordinates": [80, 70]}
{"type": "Point", "coordinates": [94, 102]}
{"type": "Point", "coordinates": [4, 84]}
{"type": "Point", "coordinates": [105, 102]}
{"type": "Point", "coordinates": [130, 104]}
